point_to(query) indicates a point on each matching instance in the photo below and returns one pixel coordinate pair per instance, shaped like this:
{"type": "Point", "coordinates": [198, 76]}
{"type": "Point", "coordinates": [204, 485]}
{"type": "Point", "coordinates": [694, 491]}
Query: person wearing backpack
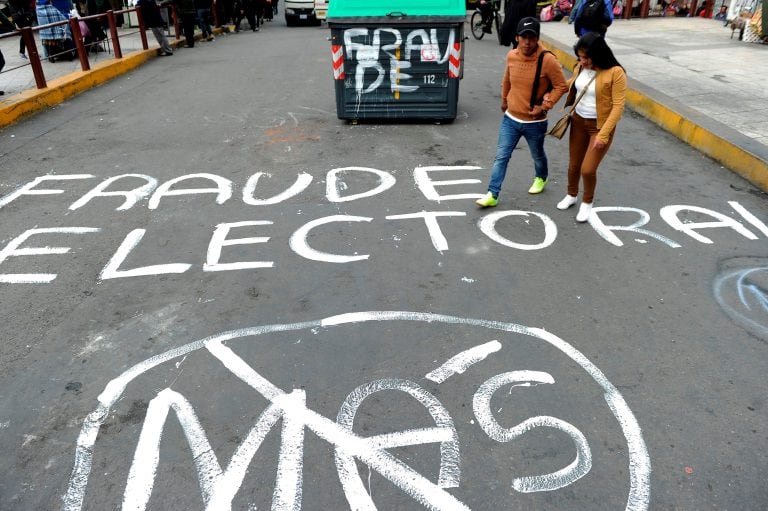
{"type": "Point", "coordinates": [592, 16]}
{"type": "Point", "coordinates": [533, 82]}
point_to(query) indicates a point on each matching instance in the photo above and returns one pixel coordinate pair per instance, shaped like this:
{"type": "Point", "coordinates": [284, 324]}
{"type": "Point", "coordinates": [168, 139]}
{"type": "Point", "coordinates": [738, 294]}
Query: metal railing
{"type": "Point", "coordinates": [80, 48]}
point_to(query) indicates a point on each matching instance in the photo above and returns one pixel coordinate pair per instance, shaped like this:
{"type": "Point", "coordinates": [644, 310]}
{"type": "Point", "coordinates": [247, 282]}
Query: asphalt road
{"type": "Point", "coordinates": [369, 340]}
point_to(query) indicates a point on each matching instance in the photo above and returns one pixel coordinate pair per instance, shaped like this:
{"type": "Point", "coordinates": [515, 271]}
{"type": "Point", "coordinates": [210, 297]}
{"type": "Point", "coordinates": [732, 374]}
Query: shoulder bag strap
{"type": "Point", "coordinates": [584, 90]}
{"type": "Point", "coordinates": [536, 77]}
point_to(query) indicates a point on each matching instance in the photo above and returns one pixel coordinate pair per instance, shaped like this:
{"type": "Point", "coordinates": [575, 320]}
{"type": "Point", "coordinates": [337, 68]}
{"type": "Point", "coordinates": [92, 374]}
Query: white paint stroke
{"type": "Point", "coordinates": [302, 182]}
{"type": "Point", "coordinates": [428, 186]}
{"type": "Point", "coordinates": [450, 465]}
{"type": "Point", "coordinates": [639, 462]}
{"type": "Point", "coordinates": [219, 240]}
{"type": "Point", "coordinates": [112, 269]}
{"type": "Point", "coordinates": [639, 459]}
{"type": "Point", "coordinates": [430, 219]}
{"type": "Point", "coordinates": [12, 250]}
{"type": "Point", "coordinates": [299, 244]}
{"type": "Point", "coordinates": [218, 486]}
{"type": "Point", "coordinates": [488, 226]}
{"type": "Point", "coordinates": [749, 217]}
{"type": "Point", "coordinates": [606, 231]}
{"type": "Point", "coordinates": [670, 214]}
{"type": "Point", "coordinates": [131, 196]}
{"type": "Point", "coordinates": [481, 405]}
{"type": "Point", "coordinates": [418, 436]}
{"type": "Point", "coordinates": [411, 482]}
{"type": "Point", "coordinates": [28, 189]}
{"type": "Point", "coordinates": [289, 481]}
{"type": "Point", "coordinates": [223, 188]}
{"type": "Point", "coordinates": [461, 362]}
{"type": "Point", "coordinates": [333, 186]}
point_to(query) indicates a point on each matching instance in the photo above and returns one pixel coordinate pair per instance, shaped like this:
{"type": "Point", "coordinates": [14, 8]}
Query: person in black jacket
{"type": "Point", "coordinates": [150, 13]}
{"type": "Point", "coordinates": [252, 10]}
{"type": "Point", "coordinates": [185, 9]}
{"type": "Point", "coordinates": [515, 11]}
{"type": "Point", "coordinates": [23, 17]}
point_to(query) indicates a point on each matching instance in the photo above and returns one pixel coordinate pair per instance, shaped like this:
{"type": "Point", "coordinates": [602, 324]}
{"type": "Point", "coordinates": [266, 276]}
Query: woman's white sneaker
{"type": "Point", "coordinates": [567, 202]}
{"type": "Point", "coordinates": [584, 211]}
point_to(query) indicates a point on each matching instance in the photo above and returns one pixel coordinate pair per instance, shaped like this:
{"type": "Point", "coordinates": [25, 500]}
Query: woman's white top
{"type": "Point", "coordinates": [587, 107]}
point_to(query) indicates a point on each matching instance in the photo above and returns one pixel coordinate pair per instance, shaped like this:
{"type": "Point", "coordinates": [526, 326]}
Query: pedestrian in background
{"type": "Point", "coordinates": [602, 79]}
{"type": "Point", "coordinates": [525, 102]}
{"type": "Point", "coordinates": [592, 16]}
{"type": "Point", "coordinates": [574, 9]}
{"type": "Point", "coordinates": [187, 13]}
{"type": "Point", "coordinates": [203, 10]}
{"type": "Point", "coordinates": [514, 11]}
{"type": "Point", "coordinates": [57, 41]}
{"type": "Point", "coordinates": [150, 12]}
{"type": "Point", "coordinates": [224, 11]}
{"type": "Point", "coordinates": [22, 17]}
{"type": "Point", "coordinates": [252, 11]}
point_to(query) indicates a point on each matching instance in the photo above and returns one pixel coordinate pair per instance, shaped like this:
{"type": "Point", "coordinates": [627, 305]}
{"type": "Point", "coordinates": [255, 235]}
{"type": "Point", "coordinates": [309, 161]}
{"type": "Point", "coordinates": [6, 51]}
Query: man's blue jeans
{"type": "Point", "coordinates": [510, 132]}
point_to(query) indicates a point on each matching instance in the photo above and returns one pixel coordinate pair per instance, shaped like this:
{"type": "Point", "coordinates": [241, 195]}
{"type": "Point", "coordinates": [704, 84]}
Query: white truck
{"type": "Point", "coordinates": [321, 9]}
{"type": "Point", "coordinates": [300, 12]}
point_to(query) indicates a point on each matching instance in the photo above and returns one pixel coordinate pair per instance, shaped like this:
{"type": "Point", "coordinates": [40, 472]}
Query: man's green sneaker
{"type": "Point", "coordinates": [538, 185]}
{"type": "Point", "coordinates": [488, 201]}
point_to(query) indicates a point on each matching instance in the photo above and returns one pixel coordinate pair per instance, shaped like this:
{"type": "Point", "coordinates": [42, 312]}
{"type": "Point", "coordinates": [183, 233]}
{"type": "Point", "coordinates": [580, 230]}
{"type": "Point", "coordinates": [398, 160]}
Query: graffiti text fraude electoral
{"type": "Point", "coordinates": [130, 191]}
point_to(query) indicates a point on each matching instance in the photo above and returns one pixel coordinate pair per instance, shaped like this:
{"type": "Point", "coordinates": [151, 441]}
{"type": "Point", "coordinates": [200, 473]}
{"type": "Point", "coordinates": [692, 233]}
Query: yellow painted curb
{"type": "Point", "coordinates": [64, 87]}
{"type": "Point", "coordinates": [749, 166]}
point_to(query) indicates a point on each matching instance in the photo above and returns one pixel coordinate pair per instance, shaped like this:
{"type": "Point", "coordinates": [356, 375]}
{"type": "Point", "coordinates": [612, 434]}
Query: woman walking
{"type": "Point", "coordinates": [602, 79]}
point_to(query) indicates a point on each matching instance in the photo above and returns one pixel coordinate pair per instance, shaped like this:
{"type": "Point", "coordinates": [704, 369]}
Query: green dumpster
{"type": "Point", "coordinates": [397, 59]}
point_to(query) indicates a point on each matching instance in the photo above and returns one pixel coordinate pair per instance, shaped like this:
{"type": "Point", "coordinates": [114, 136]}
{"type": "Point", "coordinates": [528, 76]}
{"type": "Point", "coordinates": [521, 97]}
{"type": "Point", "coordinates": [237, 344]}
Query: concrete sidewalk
{"type": "Point", "coordinates": [691, 78]}
{"type": "Point", "coordinates": [66, 79]}
{"type": "Point", "coordinates": [17, 75]}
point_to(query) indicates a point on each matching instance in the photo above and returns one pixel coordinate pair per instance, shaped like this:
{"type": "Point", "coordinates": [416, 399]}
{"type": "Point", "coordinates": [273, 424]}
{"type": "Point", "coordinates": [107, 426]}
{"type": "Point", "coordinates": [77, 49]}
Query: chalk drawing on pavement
{"type": "Point", "coordinates": [219, 484]}
{"type": "Point", "coordinates": [741, 289]}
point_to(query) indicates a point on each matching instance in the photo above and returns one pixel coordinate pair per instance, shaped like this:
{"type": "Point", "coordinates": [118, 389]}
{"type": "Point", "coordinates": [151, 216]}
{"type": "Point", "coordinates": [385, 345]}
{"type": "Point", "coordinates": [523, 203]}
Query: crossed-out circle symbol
{"type": "Point", "coordinates": [221, 484]}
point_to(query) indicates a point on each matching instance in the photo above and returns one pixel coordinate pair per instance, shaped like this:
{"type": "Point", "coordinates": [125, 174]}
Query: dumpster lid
{"type": "Point", "coordinates": [395, 8]}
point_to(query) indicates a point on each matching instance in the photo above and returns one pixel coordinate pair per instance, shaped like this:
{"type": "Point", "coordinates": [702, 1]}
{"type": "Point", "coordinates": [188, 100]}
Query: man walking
{"type": "Point", "coordinates": [150, 13]}
{"type": "Point", "coordinates": [530, 73]}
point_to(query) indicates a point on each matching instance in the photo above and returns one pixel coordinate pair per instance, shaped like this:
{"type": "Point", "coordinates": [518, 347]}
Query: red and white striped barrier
{"type": "Point", "coordinates": [454, 61]}
{"type": "Point", "coordinates": [337, 52]}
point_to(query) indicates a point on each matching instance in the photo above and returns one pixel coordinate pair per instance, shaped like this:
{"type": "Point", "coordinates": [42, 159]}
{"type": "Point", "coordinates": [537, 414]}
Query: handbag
{"type": "Point", "coordinates": [561, 126]}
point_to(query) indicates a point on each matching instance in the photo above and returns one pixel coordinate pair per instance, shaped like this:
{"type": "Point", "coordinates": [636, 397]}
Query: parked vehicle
{"type": "Point", "coordinates": [321, 9]}
{"type": "Point", "coordinates": [300, 12]}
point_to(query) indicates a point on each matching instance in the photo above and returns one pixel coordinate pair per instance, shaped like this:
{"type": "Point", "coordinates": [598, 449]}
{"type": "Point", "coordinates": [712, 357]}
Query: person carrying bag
{"type": "Point", "coordinates": [593, 119]}
{"type": "Point", "coordinates": [561, 126]}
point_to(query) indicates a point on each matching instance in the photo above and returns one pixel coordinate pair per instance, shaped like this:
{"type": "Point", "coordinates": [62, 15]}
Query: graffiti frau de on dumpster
{"type": "Point", "coordinates": [373, 55]}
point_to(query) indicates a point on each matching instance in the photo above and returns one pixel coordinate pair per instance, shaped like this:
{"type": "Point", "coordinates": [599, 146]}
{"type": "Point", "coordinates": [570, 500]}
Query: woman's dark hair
{"type": "Point", "coordinates": [596, 49]}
